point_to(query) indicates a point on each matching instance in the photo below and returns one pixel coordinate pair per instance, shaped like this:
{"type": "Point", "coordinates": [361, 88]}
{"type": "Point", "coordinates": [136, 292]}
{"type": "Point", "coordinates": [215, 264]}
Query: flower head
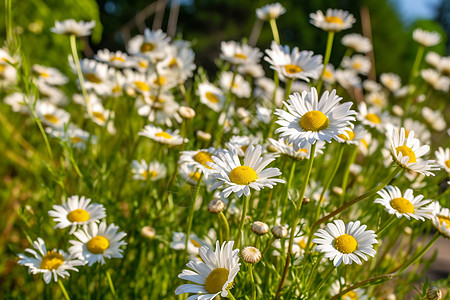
{"type": "Point", "coordinates": [334, 20]}
{"type": "Point", "coordinates": [426, 38]}
{"type": "Point", "coordinates": [72, 27]}
{"type": "Point", "coordinates": [270, 11]}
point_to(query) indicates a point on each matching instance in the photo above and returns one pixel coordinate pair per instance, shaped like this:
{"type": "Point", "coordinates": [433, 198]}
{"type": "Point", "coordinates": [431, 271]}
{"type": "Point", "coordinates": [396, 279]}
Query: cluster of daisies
{"type": "Point", "coordinates": [94, 243]}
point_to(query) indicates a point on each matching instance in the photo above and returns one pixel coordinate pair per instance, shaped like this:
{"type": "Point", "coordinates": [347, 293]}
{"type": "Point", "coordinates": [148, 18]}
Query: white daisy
{"type": "Point", "coordinates": [407, 152]}
{"type": "Point", "coordinates": [72, 27]}
{"type": "Point", "coordinates": [95, 75]}
{"type": "Point", "coordinates": [441, 218]}
{"type": "Point", "coordinates": [426, 38]}
{"type": "Point", "coordinates": [51, 94]}
{"type": "Point", "coordinates": [356, 294]}
{"type": "Point", "coordinates": [294, 65]}
{"type": "Point", "coordinates": [348, 78]}
{"type": "Point", "coordinates": [435, 80]}
{"type": "Point", "coordinates": [432, 58]}
{"type": "Point", "coordinates": [264, 89]}
{"type": "Point", "coordinates": [308, 120]}
{"type": "Point", "coordinates": [358, 63]}
{"type": "Point", "coordinates": [378, 99]}
{"type": "Point", "coordinates": [51, 115]}
{"type": "Point", "coordinates": [77, 211]}
{"type": "Point", "coordinates": [357, 42]}
{"type": "Point", "coordinates": [49, 75]}
{"type": "Point", "coordinates": [241, 87]}
{"type": "Point", "coordinates": [344, 243]}
{"type": "Point", "coordinates": [443, 158]}
{"type": "Point", "coordinates": [97, 242]}
{"type": "Point", "coordinates": [162, 136]}
{"type": "Point", "coordinates": [143, 171]}
{"type": "Point", "coordinates": [213, 275]}
{"type": "Point", "coordinates": [391, 81]}
{"type": "Point", "coordinates": [282, 146]}
{"type": "Point", "coordinates": [434, 118]}
{"type": "Point", "coordinates": [198, 159]}
{"type": "Point", "coordinates": [444, 66]}
{"type": "Point", "coordinates": [118, 59]}
{"type": "Point", "coordinates": [19, 102]}
{"type": "Point", "coordinates": [329, 74]}
{"type": "Point", "coordinates": [334, 20]}
{"type": "Point", "coordinates": [354, 136]}
{"type": "Point", "coordinates": [405, 205]}
{"type": "Point", "coordinates": [160, 109]}
{"type": "Point", "coordinates": [372, 86]}
{"type": "Point", "coordinates": [238, 54]}
{"type": "Point", "coordinates": [253, 70]}
{"type": "Point", "coordinates": [239, 178]}
{"type": "Point", "coordinates": [240, 143]}
{"type": "Point", "coordinates": [50, 263]}
{"type": "Point", "coordinates": [152, 45]}
{"type": "Point", "coordinates": [372, 116]}
{"type": "Point", "coordinates": [73, 135]}
{"type": "Point", "coordinates": [192, 175]}
{"type": "Point", "coordinates": [211, 96]}
{"type": "Point", "coordinates": [270, 11]}
{"type": "Point", "coordinates": [180, 61]}
{"type": "Point", "coordinates": [194, 244]}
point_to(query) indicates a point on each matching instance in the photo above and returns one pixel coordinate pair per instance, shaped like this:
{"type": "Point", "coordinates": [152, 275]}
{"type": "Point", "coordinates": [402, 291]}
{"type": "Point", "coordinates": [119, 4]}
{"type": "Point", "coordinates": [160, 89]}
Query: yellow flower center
{"type": "Point", "coordinates": [116, 58]}
{"type": "Point", "coordinates": [195, 243]}
{"type": "Point", "coordinates": [163, 134]}
{"type": "Point", "coordinates": [302, 151]}
{"type": "Point", "coordinates": [447, 163]}
{"type": "Point", "coordinates": [216, 279]}
{"type": "Point", "coordinates": [292, 69]}
{"type": "Point", "coordinates": [149, 174]}
{"type": "Point", "coordinates": [78, 215]}
{"type": "Point", "coordinates": [76, 139]}
{"type": "Point", "coordinates": [327, 74]}
{"type": "Point", "coordinates": [159, 81]}
{"type": "Point", "coordinates": [98, 244]}
{"type": "Point", "coordinates": [351, 135]}
{"type": "Point", "coordinates": [46, 75]}
{"type": "Point", "coordinates": [244, 148]}
{"type": "Point", "coordinates": [51, 261]}
{"type": "Point", "coordinates": [202, 157]}
{"type": "Point", "coordinates": [350, 295]}
{"type": "Point", "coordinates": [402, 205]}
{"type": "Point", "coordinates": [147, 47]}
{"type": "Point", "coordinates": [314, 121]}
{"type": "Point", "coordinates": [356, 66]}
{"type": "Point", "coordinates": [51, 118]}
{"type": "Point", "coordinates": [212, 97]}
{"type": "Point", "coordinates": [445, 219]}
{"type": "Point", "coordinates": [116, 89]}
{"type": "Point", "coordinates": [173, 63]}
{"type": "Point", "coordinates": [373, 118]}
{"type": "Point", "coordinates": [241, 56]}
{"type": "Point", "coordinates": [406, 151]}
{"type": "Point", "coordinates": [345, 243]}
{"type": "Point", "coordinates": [242, 175]}
{"type": "Point", "coordinates": [2, 68]}
{"type": "Point", "coordinates": [92, 78]}
{"type": "Point", "coordinates": [334, 19]}
{"type": "Point", "coordinates": [142, 64]}
{"type": "Point", "coordinates": [364, 142]}
{"type": "Point", "coordinates": [195, 176]}
{"type": "Point", "coordinates": [140, 85]}
{"type": "Point", "coordinates": [100, 116]}
{"type": "Point", "coordinates": [302, 244]}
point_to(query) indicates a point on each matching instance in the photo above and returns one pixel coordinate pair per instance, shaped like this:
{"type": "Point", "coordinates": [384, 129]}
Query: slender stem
{"type": "Point", "coordinates": [256, 31]}
{"type": "Point", "coordinates": [350, 161]}
{"type": "Point", "coordinates": [443, 194]}
{"type": "Point", "coordinates": [225, 223]}
{"type": "Point", "coordinates": [386, 225]}
{"type": "Point", "coordinates": [350, 203]}
{"type": "Point", "coordinates": [330, 179]}
{"type": "Point", "coordinates": [391, 274]}
{"type": "Point", "coordinates": [331, 268]}
{"type": "Point", "coordinates": [111, 285]}
{"type": "Point", "coordinates": [326, 59]}
{"type": "Point", "coordinates": [289, 183]}
{"type": "Point", "coordinates": [63, 289]}
{"type": "Point", "coordinates": [269, 243]}
{"type": "Point", "coordinates": [239, 236]}
{"type": "Point", "coordinates": [225, 109]}
{"type": "Point", "coordinates": [250, 270]}
{"type": "Point", "coordinates": [230, 295]}
{"type": "Point", "coordinates": [273, 26]}
{"type": "Point", "coordinates": [417, 60]}
{"type": "Point", "coordinates": [276, 79]}
{"type": "Point", "coordinates": [295, 219]}
{"type": "Point", "coordinates": [191, 213]}
{"type": "Point", "coordinates": [73, 47]}
{"type": "Point", "coordinates": [287, 92]}
{"type": "Point", "coordinates": [41, 129]}
{"type": "Point", "coordinates": [312, 275]}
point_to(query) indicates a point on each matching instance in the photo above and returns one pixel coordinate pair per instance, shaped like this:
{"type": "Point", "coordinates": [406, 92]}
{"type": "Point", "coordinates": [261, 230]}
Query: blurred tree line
{"type": "Point", "coordinates": [208, 22]}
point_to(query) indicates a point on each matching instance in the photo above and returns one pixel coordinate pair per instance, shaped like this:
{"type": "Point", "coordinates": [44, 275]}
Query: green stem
{"type": "Point", "coordinates": [295, 219]}
{"type": "Point", "coordinates": [225, 223]}
{"type": "Point", "coordinates": [326, 59]}
{"type": "Point", "coordinates": [330, 179]}
{"type": "Point", "coordinates": [240, 235]}
{"type": "Point", "coordinates": [289, 183]}
{"type": "Point", "coordinates": [225, 109]}
{"type": "Point", "coordinates": [287, 92]}
{"type": "Point", "coordinates": [272, 239]}
{"type": "Point", "coordinates": [63, 289]}
{"type": "Point", "coordinates": [273, 26]}
{"type": "Point", "coordinates": [276, 79]}
{"type": "Point", "coordinates": [73, 47]}
{"type": "Point", "coordinates": [331, 268]}
{"type": "Point", "coordinates": [191, 213]}
{"type": "Point", "coordinates": [250, 270]}
{"type": "Point", "coordinates": [350, 161]}
{"type": "Point", "coordinates": [417, 60]}
{"type": "Point", "coordinates": [42, 131]}
{"type": "Point", "coordinates": [230, 295]}
{"type": "Point", "coordinates": [111, 285]}
{"type": "Point", "coordinates": [386, 225]}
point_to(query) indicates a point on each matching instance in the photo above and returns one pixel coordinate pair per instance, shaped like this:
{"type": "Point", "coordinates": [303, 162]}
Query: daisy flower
{"type": "Point", "coordinates": [49, 75]}
{"type": "Point", "coordinates": [270, 11]}
{"type": "Point", "coordinates": [199, 159]}
{"type": "Point", "coordinates": [441, 218]}
{"type": "Point", "coordinates": [378, 99]}
{"type": "Point", "coordinates": [426, 38]}
{"type": "Point", "coordinates": [443, 158]}
{"type": "Point", "coordinates": [118, 59]}
{"type": "Point", "coordinates": [152, 45]}
{"type": "Point", "coordinates": [77, 211]}
{"type": "Point", "coordinates": [294, 65]}
{"type": "Point", "coordinates": [308, 120]}
{"type": "Point", "coordinates": [72, 27]}
{"type": "Point", "coordinates": [356, 294]}
{"type": "Point", "coordinates": [143, 171]}
{"type": "Point", "coordinates": [433, 59]}
{"type": "Point", "coordinates": [282, 146]}
{"type": "Point", "coordinates": [348, 78]}
{"type": "Point", "coordinates": [211, 96]}
{"type": "Point", "coordinates": [405, 205]}
{"type": "Point", "coordinates": [352, 136]}
{"type": "Point", "coordinates": [241, 87]}
{"type": "Point", "coordinates": [240, 143]}
{"type": "Point", "coordinates": [372, 116]}
{"type": "Point", "coordinates": [52, 94]}
{"type": "Point", "coordinates": [407, 152]}
{"type": "Point", "coordinates": [73, 135]}
{"type": "Point", "coordinates": [238, 54]}
{"type": "Point", "coordinates": [329, 74]}
{"type": "Point", "coordinates": [162, 136]}
{"type": "Point", "coordinates": [180, 61]}
{"type": "Point", "coordinates": [435, 80]}
{"type": "Point", "coordinates": [253, 70]}
{"type": "Point", "coordinates": [97, 242]}
{"type": "Point", "coordinates": [213, 275]}
{"type": "Point", "coordinates": [227, 169]}
{"type": "Point", "coordinates": [160, 109]}
{"type": "Point", "coordinates": [51, 115]}
{"type": "Point", "coordinates": [357, 42]}
{"type": "Point", "coordinates": [391, 81]}
{"type": "Point", "coordinates": [194, 244]}
{"type": "Point", "coordinates": [371, 86]}
{"type": "Point", "coordinates": [444, 65]}
{"type": "Point", "coordinates": [192, 175]}
{"type": "Point", "coordinates": [358, 63]}
{"type": "Point", "coordinates": [50, 263]}
{"type": "Point", "coordinates": [434, 118]}
{"type": "Point", "coordinates": [95, 75]}
{"type": "Point", "coordinates": [345, 243]}
{"type": "Point", "coordinates": [334, 20]}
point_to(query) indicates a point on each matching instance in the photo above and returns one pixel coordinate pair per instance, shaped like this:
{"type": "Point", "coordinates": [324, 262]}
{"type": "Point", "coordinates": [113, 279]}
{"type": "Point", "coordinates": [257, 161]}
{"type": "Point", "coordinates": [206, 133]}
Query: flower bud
{"type": "Point", "coordinates": [203, 135]}
{"type": "Point", "coordinates": [186, 112]}
{"type": "Point", "coordinates": [251, 255]}
{"type": "Point", "coordinates": [216, 206]}
{"type": "Point", "coordinates": [260, 228]}
{"type": "Point", "coordinates": [434, 293]}
{"type": "Point", "coordinates": [279, 231]}
{"type": "Point", "coordinates": [148, 232]}
{"type": "Point", "coordinates": [306, 200]}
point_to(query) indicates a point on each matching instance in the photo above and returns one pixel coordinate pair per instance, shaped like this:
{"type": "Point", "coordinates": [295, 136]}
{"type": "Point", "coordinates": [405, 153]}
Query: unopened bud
{"type": "Point", "coordinates": [434, 293]}
{"type": "Point", "coordinates": [251, 255]}
{"type": "Point", "coordinates": [279, 231]}
{"type": "Point", "coordinates": [306, 200]}
{"type": "Point", "coordinates": [203, 135]}
{"type": "Point", "coordinates": [216, 206]}
{"type": "Point", "coordinates": [260, 228]}
{"type": "Point", "coordinates": [148, 232]}
{"type": "Point", "coordinates": [337, 190]}
{"type": "Point", "coordinates": [186, 112]}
